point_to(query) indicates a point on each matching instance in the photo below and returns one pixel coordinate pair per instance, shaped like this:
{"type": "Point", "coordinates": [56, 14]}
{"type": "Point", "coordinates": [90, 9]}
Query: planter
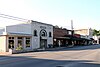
{"type": "Point", "coordinates": [18, 51]}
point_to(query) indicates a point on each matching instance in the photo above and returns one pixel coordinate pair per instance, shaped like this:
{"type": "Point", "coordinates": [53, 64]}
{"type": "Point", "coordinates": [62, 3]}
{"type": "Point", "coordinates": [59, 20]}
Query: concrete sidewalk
{"type": "Point", "coordinates": [50, 49]}
{"type": "Point", "coordinates": [5, 53]}
{"type": "Point", "coordinates": [56, 48]}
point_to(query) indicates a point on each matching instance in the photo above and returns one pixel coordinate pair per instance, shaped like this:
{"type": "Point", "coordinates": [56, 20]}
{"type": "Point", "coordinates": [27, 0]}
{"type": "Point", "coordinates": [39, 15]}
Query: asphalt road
{"type": "Point", "coordinates": [82, 56]}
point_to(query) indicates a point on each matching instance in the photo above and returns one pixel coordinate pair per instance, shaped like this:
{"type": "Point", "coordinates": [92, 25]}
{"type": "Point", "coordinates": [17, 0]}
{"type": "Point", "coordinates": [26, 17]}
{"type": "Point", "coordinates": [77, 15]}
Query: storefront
{"type": "Point", "coordinates": [26, 37]}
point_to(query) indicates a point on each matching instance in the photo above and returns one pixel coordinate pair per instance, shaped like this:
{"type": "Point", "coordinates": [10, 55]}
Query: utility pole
{"type": "Point", "coordinates": [72, 31]}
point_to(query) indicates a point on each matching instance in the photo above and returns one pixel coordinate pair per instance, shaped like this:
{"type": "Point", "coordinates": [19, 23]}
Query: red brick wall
{"type": "Point", "coordinates": [58, 32]}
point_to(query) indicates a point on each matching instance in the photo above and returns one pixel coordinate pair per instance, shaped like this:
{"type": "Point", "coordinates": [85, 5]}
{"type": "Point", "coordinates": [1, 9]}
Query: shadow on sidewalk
{"type": "Point", "coordinates": [19, 61]}
{"type": "Point", "coordinates": [75, 48]}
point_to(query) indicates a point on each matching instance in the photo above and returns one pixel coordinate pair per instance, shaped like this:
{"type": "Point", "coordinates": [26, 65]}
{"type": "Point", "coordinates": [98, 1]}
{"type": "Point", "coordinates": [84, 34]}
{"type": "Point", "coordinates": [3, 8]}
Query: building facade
{"type": "Point", "coordinates": [67, 38]}
{"type": "Point", "coordinates": [62, 37]}
{"type": "Point", "coordinates": [96, 39]}
{"type": "Point", "coordinates": [26, 37]}
{"type": "Point", "coordinates": [59, 39]}
{"type": "Point", "coordinates": [87, 33]}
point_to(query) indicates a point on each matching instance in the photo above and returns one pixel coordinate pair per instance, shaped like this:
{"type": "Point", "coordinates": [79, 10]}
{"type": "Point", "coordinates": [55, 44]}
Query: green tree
{"type": "Point", "coordinates": [96, 32]}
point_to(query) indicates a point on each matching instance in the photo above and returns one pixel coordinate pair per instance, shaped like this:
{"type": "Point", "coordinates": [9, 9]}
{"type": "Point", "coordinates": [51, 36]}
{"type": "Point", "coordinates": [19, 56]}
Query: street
{"type": "Point", "coordinates": [79, 56]}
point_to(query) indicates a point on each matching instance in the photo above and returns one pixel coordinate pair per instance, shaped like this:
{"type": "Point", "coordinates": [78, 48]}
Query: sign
{"type": "Point", "coordinates": [42, 27]}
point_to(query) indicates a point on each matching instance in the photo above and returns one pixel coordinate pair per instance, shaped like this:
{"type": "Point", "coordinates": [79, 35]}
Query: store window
{"type": "Point", "coordinates": [28, 42]}
{"type": "Point", "coordinates": [20, 43]}
{"type": "Point", "coordinates": [35, 32]}
{"type": "Point", "coordinates": [11, 42]}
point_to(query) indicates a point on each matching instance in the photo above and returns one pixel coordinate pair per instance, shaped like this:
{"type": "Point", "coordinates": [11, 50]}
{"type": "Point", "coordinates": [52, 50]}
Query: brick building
{"type": "Point", "coordinates": [63, 37]}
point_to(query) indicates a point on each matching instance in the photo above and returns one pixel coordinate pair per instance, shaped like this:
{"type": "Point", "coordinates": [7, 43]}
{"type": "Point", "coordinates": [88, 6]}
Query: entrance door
{"type": "Point", "coordinates": [43, 43]}
{"type": "Point", "coordinates": [43, 39]}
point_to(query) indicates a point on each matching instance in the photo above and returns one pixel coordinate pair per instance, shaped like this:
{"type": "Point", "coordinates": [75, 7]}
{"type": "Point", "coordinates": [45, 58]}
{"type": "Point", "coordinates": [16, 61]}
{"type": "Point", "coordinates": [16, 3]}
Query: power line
{"type": "Point", "coordinates": [13, 18]}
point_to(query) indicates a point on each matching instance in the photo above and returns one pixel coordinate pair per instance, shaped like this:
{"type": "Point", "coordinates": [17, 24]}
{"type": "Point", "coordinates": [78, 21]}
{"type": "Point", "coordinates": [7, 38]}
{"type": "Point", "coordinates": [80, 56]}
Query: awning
{"type": "Point", "coordinates": [72, 38]}
{"type": "Point", "coordinates": [62, 38]}
{"type": "Point", "coordinates": [75, 38]}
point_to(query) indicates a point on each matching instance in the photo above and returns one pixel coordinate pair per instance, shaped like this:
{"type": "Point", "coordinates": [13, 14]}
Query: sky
{"type": "Point", "coordinates": [84, 13]}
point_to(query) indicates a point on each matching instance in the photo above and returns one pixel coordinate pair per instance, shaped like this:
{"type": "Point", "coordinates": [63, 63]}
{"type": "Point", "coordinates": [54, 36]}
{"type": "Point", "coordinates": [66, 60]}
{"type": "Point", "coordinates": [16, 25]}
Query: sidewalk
{"type": "Point", "coordinates": [56, 48]}
{"type": "Point", "coordinates": [5, 53]}
{"type": "Point", "coordinates": [50, 49]}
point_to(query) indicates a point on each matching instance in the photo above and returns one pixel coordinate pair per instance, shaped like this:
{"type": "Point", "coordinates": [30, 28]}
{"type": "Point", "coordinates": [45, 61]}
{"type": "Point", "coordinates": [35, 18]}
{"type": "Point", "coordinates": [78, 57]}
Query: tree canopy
{"type": "Point", "coordinates": [96, 32]}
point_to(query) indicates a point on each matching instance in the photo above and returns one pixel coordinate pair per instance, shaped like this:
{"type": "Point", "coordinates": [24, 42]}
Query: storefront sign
{"type": "Point", "coordinates": [42, 27]}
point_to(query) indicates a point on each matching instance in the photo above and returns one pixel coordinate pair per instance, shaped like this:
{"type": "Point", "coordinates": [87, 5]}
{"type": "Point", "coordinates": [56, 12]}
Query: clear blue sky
{"type": "Point", "coordinates": [84, 13]}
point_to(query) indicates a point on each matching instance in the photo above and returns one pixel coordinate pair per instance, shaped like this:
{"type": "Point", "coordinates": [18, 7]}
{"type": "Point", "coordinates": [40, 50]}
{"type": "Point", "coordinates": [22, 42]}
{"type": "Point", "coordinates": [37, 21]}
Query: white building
{"type": "Point", "coordinates": [96, 39]}
{"type": "Point", "coordinates": [26, 37]}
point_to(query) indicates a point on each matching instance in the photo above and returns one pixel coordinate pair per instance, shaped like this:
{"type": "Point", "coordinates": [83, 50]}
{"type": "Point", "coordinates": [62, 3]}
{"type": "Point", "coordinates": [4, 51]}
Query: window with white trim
{"type": "Point", "coordinates": [28, 42]}
{"type": "Point", "coordinates": [20, 43]}
{"type": "Point", "coordinates": [11, 42]}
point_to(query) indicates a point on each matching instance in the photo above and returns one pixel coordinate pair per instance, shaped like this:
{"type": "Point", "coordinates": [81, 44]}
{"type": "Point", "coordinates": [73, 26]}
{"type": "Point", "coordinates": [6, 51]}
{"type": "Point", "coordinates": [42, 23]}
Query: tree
{"type": "Point", "coordinates": [96, 32]}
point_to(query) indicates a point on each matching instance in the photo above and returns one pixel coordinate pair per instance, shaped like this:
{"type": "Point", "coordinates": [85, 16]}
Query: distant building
{"type": "Point", "coordinates": [26, 37]}
{"type": "Point", "coordinates": [86, 33]}
{"type": "Point", "coordinates": [96, 39]}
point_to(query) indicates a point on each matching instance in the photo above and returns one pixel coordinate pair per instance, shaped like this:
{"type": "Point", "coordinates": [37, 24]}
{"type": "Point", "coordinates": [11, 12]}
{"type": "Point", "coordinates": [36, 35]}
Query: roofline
{"type": "Point", "coordinates": [41, 23]}
{"type": "Point", "coordinates": [82, 29]}
{"type": "Point", "coordinates": [62, 28]}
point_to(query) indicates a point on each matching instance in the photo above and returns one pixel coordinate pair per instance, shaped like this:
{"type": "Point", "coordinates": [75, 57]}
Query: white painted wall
{"type": "Point", "coordinates": [20, 28]}
{"type": "Point", "coordinates": [83, 36]}
{"type": "Point", "coordinates": [2, 43]}
{"type": "Point", "coordinates": [90, 33]}
{"type": "Point", "coordinates": [95, 37]}
{"type": "Point", "coordinates": [36, 40]}
{"type": "Point", "coordinates": [29, 29]}
{"type": "Point", "coordinates": [1, 31]}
